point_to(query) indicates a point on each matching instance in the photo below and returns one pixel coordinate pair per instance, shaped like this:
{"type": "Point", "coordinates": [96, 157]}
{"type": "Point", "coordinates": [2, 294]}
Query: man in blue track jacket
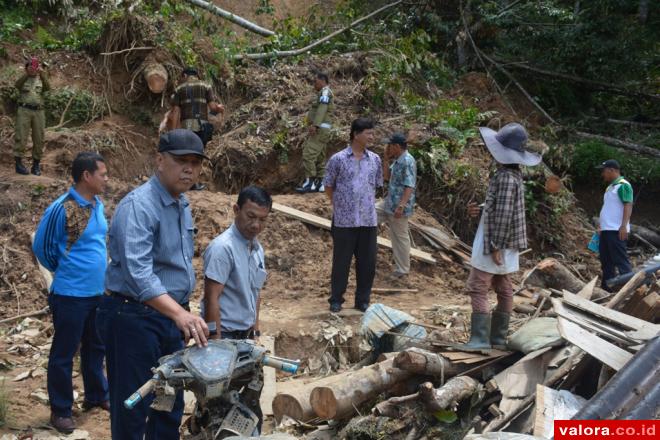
{"type": "Point", "coordinates": [70, 241]}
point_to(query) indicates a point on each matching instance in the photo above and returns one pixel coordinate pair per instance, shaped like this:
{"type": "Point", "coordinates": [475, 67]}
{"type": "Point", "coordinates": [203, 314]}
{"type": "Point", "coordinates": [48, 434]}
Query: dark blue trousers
{"type": "Point", "coordinates": [74, 322]}
{"type": "Point", "coordinates": [613, 256]}
{"type": "Point", "coordinates": [135, 337]}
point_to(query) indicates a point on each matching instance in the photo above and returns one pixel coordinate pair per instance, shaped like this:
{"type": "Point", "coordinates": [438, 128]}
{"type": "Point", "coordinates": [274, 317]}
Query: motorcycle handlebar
{"type": "Point", "coordinates": [140, 394]}
{"type": "Point", "coordinates": [281, 364]}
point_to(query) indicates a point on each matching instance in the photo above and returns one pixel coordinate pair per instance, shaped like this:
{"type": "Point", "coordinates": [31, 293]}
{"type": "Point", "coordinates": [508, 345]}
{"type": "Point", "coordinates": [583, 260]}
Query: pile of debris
{"type": "Point", "coordinates": [581, 353]}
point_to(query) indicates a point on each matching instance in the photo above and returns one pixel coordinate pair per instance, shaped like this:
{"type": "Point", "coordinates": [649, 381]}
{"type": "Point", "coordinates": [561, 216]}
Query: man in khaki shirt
{"type": "Point", "coordinates": [30, 117]}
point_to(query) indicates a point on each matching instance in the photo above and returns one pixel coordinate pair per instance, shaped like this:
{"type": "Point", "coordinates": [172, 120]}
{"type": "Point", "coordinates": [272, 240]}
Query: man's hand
{"type": "Point", "coordinates": [623, 233]}
{"type": "Point", "coordinates": [193, 327]}
{"type": "Point", "coordinates": [473, 209]}
{"type": "Point", "coordinates": [497, 257]}
{"type": "Point", "coordinates": [220, 108]}
{"type": "Point", "coordinates": [398, 212]}
{"type": "Point", "coordinates": [312, 129]}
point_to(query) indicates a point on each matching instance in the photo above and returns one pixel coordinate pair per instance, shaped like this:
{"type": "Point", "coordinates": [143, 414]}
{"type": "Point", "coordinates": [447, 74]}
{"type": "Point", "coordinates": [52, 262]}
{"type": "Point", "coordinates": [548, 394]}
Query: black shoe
{"type": "Point", "coordinates": [306, 186]}
{"type": "Point", "coordinates": [65, 425]}
{"type": "Point", "coordinates": [91, 405]}
{"type": "Point", "coordinates": [198, 187]}
{"type": "Point", "coordinates": [36, 169]}
{"type": "Point", "coordinates": [362, 307]}
{"type": "Point", "coordinates": [335, 308]}
{"type": "Point", "coordinates": [20, 168]}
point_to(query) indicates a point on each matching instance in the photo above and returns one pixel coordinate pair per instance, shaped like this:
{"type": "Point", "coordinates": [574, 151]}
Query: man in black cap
{"type": "Point", "coordinates": [194, 100]}
{"type": "Point", "coordinates": [144, 314]}
{"type": "Point", "coordinates": [614, 224]}
{"type": "Point", "coordinates": [400, 170]}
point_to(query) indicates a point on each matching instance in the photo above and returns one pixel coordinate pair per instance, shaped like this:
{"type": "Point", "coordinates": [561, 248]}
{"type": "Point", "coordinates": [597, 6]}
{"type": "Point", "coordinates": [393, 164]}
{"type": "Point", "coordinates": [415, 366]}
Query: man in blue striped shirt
{"type": "Point", "coordinates": [148, 284]}
{"type": "Point", "coordinates": [70, 241]}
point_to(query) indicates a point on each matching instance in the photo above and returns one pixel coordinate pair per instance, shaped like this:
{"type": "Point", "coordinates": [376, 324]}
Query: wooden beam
{"type": "Point", "coordinates": [627, 289]}
{"type": "Point", "coordinates": [588, 289]}
{"type": "Point", "coordinates": [324, 223]}
{"type": "Point", "coordinates": [602, 350]}
{"type": "Point", "coordinates": [622, 319]}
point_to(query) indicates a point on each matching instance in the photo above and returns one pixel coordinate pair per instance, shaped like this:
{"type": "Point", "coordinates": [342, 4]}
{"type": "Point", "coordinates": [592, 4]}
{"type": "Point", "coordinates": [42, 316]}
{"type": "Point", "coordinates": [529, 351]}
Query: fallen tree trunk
{"type": "Point", "coordinates": [292, 53]}
{"type": "Point", "coordinates": [638, 148]}
{"type": "Point", "coordinates": [419, 361]}
{"type": "Point", "coordinates": [448, 395]}
{"type": "Point", "coordinates": [551, 274]}
{"type": "Point", "coordinates": [647, 234]}
{"type": "Point", "coordinates": [294, 400]}
{"type": "Point", "coordinates": [240, 21]}
{"type": "Point", "coordinates": [340, 398]}
{"type": "Point", "coordinates": [155, 75]}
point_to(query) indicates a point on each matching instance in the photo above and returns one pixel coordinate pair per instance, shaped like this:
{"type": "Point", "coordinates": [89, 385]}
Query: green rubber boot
{"type": "Point", "coordinates": [479, 333]}
{"type": "Point", "coordinates": [499, 327]}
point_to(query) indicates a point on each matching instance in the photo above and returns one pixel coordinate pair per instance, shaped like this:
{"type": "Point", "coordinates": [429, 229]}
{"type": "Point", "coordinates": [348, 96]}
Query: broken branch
{"type": "Point", "coordinates": [240, 21]}
{"type": "Point", "coordinates": [294, 52]}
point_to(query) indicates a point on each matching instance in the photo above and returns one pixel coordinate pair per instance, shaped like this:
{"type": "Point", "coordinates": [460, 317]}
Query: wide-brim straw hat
{"type": "Point", "coordinates": [509, 145]}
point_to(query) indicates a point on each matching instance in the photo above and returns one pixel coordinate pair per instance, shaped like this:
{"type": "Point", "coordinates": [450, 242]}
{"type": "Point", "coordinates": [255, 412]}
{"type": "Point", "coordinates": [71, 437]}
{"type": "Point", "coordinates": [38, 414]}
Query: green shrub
{"type": "Point", "coordinates": [83, 106]}
{"type": "Point", "coordinates": [587, 155]}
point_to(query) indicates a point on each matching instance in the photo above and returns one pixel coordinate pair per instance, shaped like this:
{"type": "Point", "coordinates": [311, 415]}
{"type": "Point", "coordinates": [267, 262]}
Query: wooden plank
{"type": "Point", "coordinates": [627, 321]}
{"type": "Point", "coordinates": [595, 326]}
{"type": "Point", "coordinates": [550, 407]}
{"type": "Point", "coordinates": [588, 289]}
{"type": "Point", "coordinates": [602, 350]}
{"type": "Point", "coordinates": [324, 223]}
{"type": "Point", "coordinates": [627, 289]}
{"type": "Point", "coordinates": [270, 379]}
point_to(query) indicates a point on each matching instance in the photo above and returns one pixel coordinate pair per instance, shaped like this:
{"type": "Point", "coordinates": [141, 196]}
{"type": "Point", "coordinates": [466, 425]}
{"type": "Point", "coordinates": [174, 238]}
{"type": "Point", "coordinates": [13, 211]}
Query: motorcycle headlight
{"type": "Point", "coordinates": [212, 363]}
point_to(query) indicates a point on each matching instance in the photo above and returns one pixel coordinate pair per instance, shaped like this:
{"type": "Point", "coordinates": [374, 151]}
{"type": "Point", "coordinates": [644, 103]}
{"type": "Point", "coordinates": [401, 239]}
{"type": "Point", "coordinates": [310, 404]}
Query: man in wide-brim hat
{"type": "Point", "coordinates": [500, 237]}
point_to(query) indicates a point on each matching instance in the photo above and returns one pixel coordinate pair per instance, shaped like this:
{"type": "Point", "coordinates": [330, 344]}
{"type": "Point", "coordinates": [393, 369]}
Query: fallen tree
{"type": "Point", "coordinates": [551, 274]}
{"type": "Point", "coordinates": [302, 50]}
{"type": "Point", "coordinates": [238, 20]}
{"type": "Point", "coordinates": [419, 361]}
{"type": "Point", "coordinates": [339, 399]}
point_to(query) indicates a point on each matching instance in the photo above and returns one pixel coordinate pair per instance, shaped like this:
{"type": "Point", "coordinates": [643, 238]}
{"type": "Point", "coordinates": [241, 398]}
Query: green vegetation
{"type": "Point", "coordinates": [81, 106]}
{"type": "Point", "coordinates": [637, 169]}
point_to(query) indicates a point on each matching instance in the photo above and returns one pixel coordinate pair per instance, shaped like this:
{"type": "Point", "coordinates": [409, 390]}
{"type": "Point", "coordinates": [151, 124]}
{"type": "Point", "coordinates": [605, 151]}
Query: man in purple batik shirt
{"type": "Point", "coordinates": [351, 178]}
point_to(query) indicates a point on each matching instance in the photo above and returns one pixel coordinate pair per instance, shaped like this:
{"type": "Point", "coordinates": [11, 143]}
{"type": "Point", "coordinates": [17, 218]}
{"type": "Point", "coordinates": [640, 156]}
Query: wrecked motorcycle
{"type": "Point", "coordinates": [226, 377]}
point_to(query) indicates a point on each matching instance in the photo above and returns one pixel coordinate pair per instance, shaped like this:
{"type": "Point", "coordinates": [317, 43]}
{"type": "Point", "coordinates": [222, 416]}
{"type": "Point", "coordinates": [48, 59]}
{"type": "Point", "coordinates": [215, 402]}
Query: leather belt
{"type": "Point", "coordinates": [30, 106]}
{"type": "Point", "coordinates": [129, 299]}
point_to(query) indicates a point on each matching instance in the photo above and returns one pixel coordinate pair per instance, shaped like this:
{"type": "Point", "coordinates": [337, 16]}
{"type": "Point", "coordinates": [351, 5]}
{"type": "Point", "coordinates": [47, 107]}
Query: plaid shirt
{"type": "Point", "coordinates": [193, 97]}
{"type": "Point", "coordinates": [504, 212]}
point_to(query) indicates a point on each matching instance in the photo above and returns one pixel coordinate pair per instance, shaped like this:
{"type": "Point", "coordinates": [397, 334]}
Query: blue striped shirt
{"type": "Point", "coordinates": [70, 241]}
{"type": "Point", "coordinates": [151, 245]}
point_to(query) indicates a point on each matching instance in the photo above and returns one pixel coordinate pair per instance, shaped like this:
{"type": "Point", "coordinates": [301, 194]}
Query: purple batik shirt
{"type": "Point", "coordinates": [354, 183]}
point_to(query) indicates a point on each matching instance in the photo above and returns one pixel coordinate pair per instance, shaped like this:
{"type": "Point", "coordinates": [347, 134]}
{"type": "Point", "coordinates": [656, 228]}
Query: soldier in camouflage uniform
{"type": "Point", "coordinates": [30, 116]}
{"type": "Point", "coordinates": [195, 100]}
{"type": "Point", "coordinates": [314, 148]}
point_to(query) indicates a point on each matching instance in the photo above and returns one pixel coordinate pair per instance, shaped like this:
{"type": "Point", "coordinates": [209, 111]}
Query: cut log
{"type": "Point", "coordinates": [551, 274]}
{"type": "Point", "coordinates": [647, 234]}
{"type": "Point", "coordinates": [339, 399]}
{"type": "Point", "coordinates": [448, 395]}
{"type": "Point", "coordinates": [155, 75]}
{"type": "Point", "coordinates": [292, 399]}
{"type": "Point", "coordinates": [420, 361]}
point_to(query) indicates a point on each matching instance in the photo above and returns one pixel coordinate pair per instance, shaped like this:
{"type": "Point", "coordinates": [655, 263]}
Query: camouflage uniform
{"type": "Point", "coordinates": [315, 146]}
{"type": "Point", "coordinates": [30, 115]}
{"type": "Point", "coordinates": [193, 97]}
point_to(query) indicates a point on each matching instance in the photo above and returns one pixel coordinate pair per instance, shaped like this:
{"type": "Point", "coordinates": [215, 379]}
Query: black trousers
{"type": "Point", "coordinates": [349, 242]}
{"type": "Point", "coordinates": [613, 256]}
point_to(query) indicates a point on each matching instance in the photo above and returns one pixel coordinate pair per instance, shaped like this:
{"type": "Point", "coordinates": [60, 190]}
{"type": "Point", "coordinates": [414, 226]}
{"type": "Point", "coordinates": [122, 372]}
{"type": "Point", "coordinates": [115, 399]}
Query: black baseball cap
{"type": "Point", "coordinates": [180, 142]}
{"type": "Point", "coordinates": [611, 163]}
{"type": "Point", "coordinates": [396, 138]}
{"type": "Point", "coordinates": [190, 70]}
